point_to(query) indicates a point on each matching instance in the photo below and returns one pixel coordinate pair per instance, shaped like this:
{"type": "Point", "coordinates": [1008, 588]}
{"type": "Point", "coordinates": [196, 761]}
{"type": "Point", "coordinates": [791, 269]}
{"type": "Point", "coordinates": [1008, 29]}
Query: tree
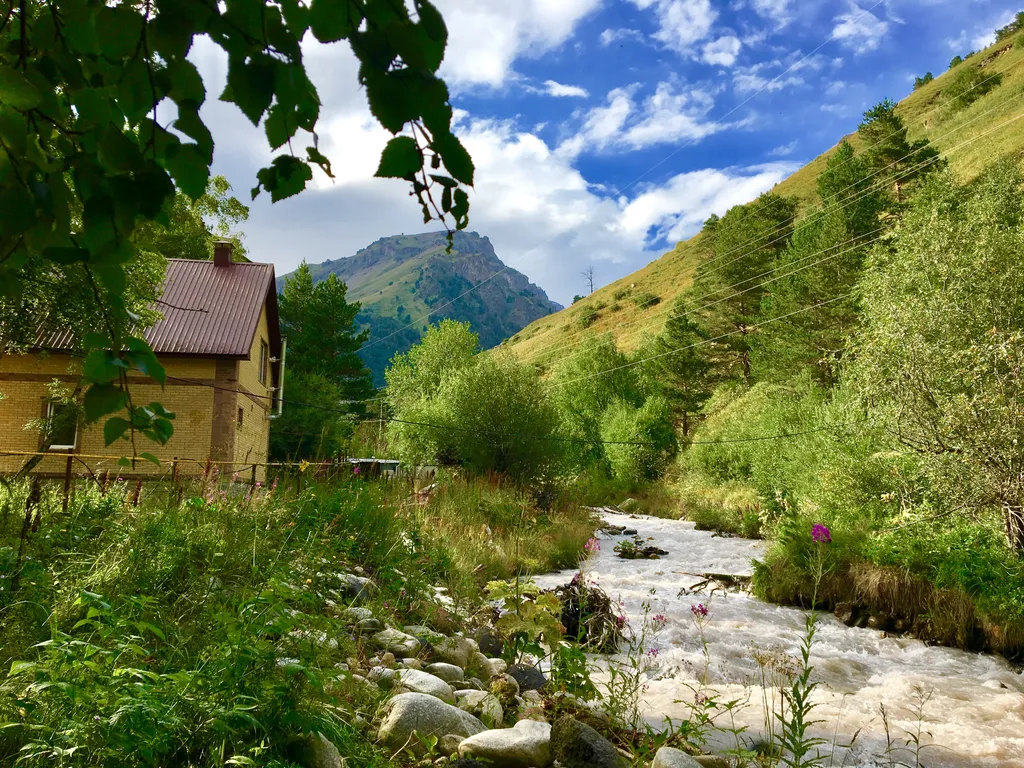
{"type": "Point", "coordinates": [921, 81]}
{"type": "Point", "coordinates": [323, 367]}
{"type": "Point", "coordinates": [85, 159]}
{"type": "Point", "coordinates": [588, 275]}
{"type": "Point", "coordinates": [968, 85]}
{"type": "Point", "coordinates": [956, 61]}
{"type": "Point", "coordinates": [638, 441]}
{"type": "Point", "coordinates": [1012, 28]}
{"type": "Point", "coordinates": [892, 159]}
{"type": "Point", "coordinates": [727, 288]}
{"type": "Point", "coordinates": [939, 363]}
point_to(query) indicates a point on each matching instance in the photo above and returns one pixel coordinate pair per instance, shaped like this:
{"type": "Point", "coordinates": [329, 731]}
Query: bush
{"type": "Point", "coordinates": [956, 61]}
{"type": "Point", "coordinates": [586, 317]}
{"type": "Point", "coordinates": [921, 81]}
{"type": "Point", "coordinates": [621, 293]}
{"type": "Point", "coordinates": [968, 85]}
{"type": "Point", "coordinates": [639, 441]}
{"type": "Point", "coordinates": [646, 299]}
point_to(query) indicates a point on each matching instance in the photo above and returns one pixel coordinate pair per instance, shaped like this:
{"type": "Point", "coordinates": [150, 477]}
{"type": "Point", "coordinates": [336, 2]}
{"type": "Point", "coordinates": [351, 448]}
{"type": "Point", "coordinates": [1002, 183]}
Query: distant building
{"type": "Point", "coordinates": [220, 343]}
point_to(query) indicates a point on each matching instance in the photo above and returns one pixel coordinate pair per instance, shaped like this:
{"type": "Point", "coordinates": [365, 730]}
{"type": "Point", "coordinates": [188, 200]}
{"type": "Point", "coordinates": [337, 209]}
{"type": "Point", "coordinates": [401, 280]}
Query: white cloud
{"type": "Point", "coordinates": [860, 30]}
{"type": "Point", "coordinates": [681, 23]}
{"type": "Point", "coordinates": [722, 51]}
{"type": "Point", "coordinates": [785, 150]}
{"type": "Point", "coordinates": [486, 36]}
{"type": "Point", "coordinates": [748, 81]}
{"type": "Point", "coordinates": [610, 36]}
{"type": "Point", "coordinates": [553, 88]}
{"type": "Point", "coordinates": [774, 10]}
{"type": "Point", "coordinates": [835, 87]}
{"type": "Point", "coordinates": [668, 115]}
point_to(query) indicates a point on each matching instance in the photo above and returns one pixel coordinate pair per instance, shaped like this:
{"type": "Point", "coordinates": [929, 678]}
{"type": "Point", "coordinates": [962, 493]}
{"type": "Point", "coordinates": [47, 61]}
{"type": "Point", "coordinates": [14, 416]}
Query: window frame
{"type": "Point", "coordinates": [264, 363]}
{"type": "Point", "coordinates": [48, 416]}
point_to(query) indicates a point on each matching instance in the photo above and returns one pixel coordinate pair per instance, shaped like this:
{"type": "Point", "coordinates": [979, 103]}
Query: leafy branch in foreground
{"type": "Point", "coordinates": [86, 158]}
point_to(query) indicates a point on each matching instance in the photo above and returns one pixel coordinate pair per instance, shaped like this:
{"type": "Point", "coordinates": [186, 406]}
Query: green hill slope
{"type": "Point", "coordinates": [636, 306]}
{"type": "Point", "coordinates": [403, 278]}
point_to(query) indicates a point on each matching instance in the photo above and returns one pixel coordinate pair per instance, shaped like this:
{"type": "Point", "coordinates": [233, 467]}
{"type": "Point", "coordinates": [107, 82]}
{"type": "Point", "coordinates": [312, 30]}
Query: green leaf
{"type": "Point", "coordinates": [114, 428]}
{"type": "Point", "coordinates": [456, 158]}
{"type": "Point", "coordinates": [186, 83]}
{"type": "Point", "coordinates": [277, 126]}
{"type": "Point", "coordinates": [250, 85]}
{"type": "Point", "coordinates": [189, 169]}
{"type": "Point", "coordinates": [101, 400]}
{"type": "Point", "coordinates": [102, 366]}
{"type": "Point", "coordinates": [21, 667]}
{"type": "Point", "coordinates": [401, 159]}
{"type": "Point", "coordinates": [16, 90]}
{"type": "Point", "coordinates": [150, 457]}
{"type": "Point", "coordinates": [332, 20]}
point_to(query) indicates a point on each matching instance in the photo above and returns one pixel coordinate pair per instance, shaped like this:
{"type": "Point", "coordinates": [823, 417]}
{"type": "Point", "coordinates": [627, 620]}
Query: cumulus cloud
{"type": "Point", "coordinates": [553, 88]}
{"type": "Point", "coordinates": [486, 36]}
{"type": "Point", "coordinates": [785, 150]}
{"type": "Point", "coordinates": [773, 10]}
{"type": "Point", "coordinates": [722, 51]}
{"type": "Point", "coordinates": [610, 36]}
{"type": "Point", "coordinates": [859, 30]}
{"type": "Point", "coordinates": [681, 23]}
{"type": "Point", "coordinates": [750, 82]}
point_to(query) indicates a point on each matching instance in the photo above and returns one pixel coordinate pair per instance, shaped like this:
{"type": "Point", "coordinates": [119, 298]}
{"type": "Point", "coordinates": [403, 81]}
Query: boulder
{"type": "Point", "coordinates": [423, 682]}
{"type": "Point", "coordinates": [468, 685]}
{"type": "Point", "coordinates": [669, 757]}
{"type": "Point", "coordinates": [846, 612]}
{"type": "Point", "coordinates": [424, 634]}
{"type": "Point", "coordinates": [712, 761]}
{"type": "Point", "coordinates": [369, 626]}
{"type": "Point", "coordinates": [412, 663]}
{"type": "Point", "coordinates": [427, 716]}
{"type": "Point", "coordinates": [528, 677]}
{"type": "Point", "coordinates": [499, 666]}
{"type": "Point", "coordinates": [315, 751]}
{"type": "Point", "coordinates": [388, 660]}
{"type": "Point", "coordinates": [576, 745]}
{"type": "Point", "coordinates": [398, 643]}
{"type": "Point", "coordinates": [526, 745]}
{"type": "Point", "coordinates": [454, 650]}
{"type": "Point", "coordinates": [490, 642]}
{"type": "Point", "coordinates": [482, 705]}
{"type": "Point", "coordinates": [879, 621]}
{"type": "Point", "coordinates": [355, 615]}
{"type": "Point", "coordinates": [382, 676]}
{"type": "Point", "coordinates": [448, 744]}
{"type": "Point", "coordinates": [481, 665]}
{"type": "Point", "coordinates": [447, 672]}
{"type": "Point", "coordinates": [359, 588]}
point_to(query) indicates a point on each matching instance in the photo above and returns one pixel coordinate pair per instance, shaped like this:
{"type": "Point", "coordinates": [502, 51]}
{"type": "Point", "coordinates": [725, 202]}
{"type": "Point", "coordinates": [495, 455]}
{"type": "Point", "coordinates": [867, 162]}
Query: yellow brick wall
{"type": "Point", "coordinates": [253, 436]}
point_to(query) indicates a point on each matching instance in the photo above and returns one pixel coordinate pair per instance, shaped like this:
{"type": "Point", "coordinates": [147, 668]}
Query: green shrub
{"type": "Point", "coordinates": [968, 85]}
{"type": "Point", "coordinates": [621, 293]}
{"type": "Point", "coordinates": [639, 442]}
{"type": "Point", "coordinates": [586, 317]}
{"type": "Point", "coordinates": [646, 299]}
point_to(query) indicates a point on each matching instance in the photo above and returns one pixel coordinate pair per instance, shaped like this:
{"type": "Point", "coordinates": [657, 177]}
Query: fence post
{"type": "Point", "coordinates": [67, 483]}
{"type": "Point", "coordinates": [253, 481]}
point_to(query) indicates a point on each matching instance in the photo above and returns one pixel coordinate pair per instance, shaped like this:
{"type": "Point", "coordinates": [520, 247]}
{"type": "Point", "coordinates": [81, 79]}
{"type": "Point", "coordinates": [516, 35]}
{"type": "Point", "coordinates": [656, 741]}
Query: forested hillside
{"type": "Point", "coordinates": [405, 282]}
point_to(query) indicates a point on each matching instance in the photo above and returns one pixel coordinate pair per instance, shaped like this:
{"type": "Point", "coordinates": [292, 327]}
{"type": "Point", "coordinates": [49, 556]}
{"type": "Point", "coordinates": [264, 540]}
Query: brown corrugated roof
{"type": "Point", "coordinates": [207, 310]}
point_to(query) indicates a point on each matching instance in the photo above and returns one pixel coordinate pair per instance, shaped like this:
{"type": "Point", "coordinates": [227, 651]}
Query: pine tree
{"type": "Point", "coordinates": [681, 370]}
{"type": "Point", "coordinates": [892, 159]}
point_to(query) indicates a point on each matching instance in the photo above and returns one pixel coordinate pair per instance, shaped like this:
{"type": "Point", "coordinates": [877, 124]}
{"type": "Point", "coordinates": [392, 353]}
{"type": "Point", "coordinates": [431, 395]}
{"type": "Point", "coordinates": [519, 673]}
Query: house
{"type": "Point", "coordinates": [220, 344]}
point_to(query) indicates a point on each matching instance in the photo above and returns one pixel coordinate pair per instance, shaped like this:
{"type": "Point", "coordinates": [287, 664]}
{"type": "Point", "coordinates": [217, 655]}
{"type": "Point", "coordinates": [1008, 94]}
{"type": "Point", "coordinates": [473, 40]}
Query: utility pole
{"type": "Point", "coordinates": [588, 275]}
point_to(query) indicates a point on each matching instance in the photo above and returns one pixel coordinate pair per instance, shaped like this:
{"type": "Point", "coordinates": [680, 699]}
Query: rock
{"type": "Point", "coordinates": [399, 643]}
{"type": "Point", "coordinates": [528, 677]}
{"type": "Point", "coordinates": [629, 532]}
{"type": "Point", "coordinates": [499, 666]}
{"type": "Point", "coordinates": [454, 650]}
{"type": "Point", "coordinates": [369, 626]}
{"type": "Point", "coordinates": [712, 761]}
{"type": "Point", "coordinates": [504, 687]}
{"type": "Point", "coordinates": [425, 634]}
{"type": "Point", "coordinates": [412, 663]}
{"type": "Point", "coordinates": [359, 588]}
{"type": "Point", "coordinates": [482, 705]}
{"type": "Point", "coordinates": [448, 744]}
{"type": "Point", "coordinates": [468, 685]}
{"type": "Point", "coordinates": [526, 745]}
{"type": "Point", "coordinates": [355, 615]}
{"type": "Point", "coordinates": [388, 660]}
{"type": "Point", "coordinates": [482, 665]}
{"type": "Point", "coordinates": [576, 745]}
{"type": "Point", "coordinates": [426, 715]}
{"type": "Point", "coordinates": [628, 505]}
{"type": "Point", "coordinates": [422, 682]}
{"type": "Point", "coordinates": [669, 757]}
{"type": "Point", "coordinates": [846, 612]}
{"type": "Point", "coordinates": [447, 672]}
{"type": "Point", "coordinates": [467, 762]}
{"type": "Point", "coordinates": [533, 697]}
{"type": "Point", "coordinates": [315, 751]}
{"type": "Point", "coordinates": [490, 642]}
{"type": "Point", "coordinates": [382, 676]}
{"type": "Point", "coordinates": [878, 621]}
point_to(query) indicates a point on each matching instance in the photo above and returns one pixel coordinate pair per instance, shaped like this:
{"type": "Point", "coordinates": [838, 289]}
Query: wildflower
{"type": "Point", "coordinates": [592, 546]}
{"type": "Point", "coordinates": [96, 718]}
{"type": "Point", "coordinates": [659, 621]}
{"type": "Point", "coordinates": [701, 700]}
{"type": "Point", "coordinates": [699, 610]}
{"type": "Point", "coordinates": [652, 652]}
{"type": "Point", "coordinates": [820, 534]}
{"type": "Point", "coordinates": [259, 484]}
{"type": "Point", "coordinates": [576, 579]}
{"type": "Point", "coordinates": [234, 477]}
{"type": "Point", "coordinates": [620, 621]}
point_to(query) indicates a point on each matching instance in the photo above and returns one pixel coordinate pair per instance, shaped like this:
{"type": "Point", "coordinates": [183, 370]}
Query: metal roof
{"type": "Point", "coordinates": [207, 310]}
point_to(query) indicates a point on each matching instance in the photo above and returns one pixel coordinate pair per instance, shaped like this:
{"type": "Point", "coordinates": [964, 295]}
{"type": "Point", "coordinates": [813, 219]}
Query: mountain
{"type": "Point", "coordinates": [636, 306]}
{"type": "Point", "coordinates": [403, 278]}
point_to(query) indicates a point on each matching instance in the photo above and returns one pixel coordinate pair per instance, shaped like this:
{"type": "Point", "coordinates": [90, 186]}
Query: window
{"type": "Point", "coordinates": [264, 362]}
{"type": "Point", "coordinates": [241, 413]}
{"type": "Point", "coordinates": [61, 426]}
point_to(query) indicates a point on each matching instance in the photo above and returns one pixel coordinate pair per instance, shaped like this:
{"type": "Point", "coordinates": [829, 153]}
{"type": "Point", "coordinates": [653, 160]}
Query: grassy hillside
{"type": "Point", "coordinates": [405, 282]}
{"type": "Point", "coordinates": [636, 306]}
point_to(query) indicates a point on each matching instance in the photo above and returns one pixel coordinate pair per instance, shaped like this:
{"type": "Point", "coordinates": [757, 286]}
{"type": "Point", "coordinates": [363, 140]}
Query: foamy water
{"type": "Point", "coordinates": [975, 716]}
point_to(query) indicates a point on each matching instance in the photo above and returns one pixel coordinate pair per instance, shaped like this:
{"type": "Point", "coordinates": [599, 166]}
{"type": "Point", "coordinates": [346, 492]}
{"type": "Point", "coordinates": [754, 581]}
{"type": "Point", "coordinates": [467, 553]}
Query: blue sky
{"type": "Point", "coordinates": [605, 130]}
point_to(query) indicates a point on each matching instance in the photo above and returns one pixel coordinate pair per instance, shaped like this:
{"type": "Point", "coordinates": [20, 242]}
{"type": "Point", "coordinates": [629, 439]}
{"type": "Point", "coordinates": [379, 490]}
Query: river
{"type": "Point", "coordinates": [974, 716]}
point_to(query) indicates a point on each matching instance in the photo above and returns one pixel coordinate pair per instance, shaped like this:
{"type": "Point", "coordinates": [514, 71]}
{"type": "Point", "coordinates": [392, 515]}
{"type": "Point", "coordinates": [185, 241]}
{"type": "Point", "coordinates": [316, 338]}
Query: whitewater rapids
{"type": "Point", "coordinates": [974, 718]}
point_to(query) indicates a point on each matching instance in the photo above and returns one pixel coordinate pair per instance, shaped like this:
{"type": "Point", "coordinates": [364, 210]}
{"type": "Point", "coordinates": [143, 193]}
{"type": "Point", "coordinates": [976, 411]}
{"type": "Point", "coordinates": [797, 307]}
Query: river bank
{"type": "Point", "coordinates": [973, 714]}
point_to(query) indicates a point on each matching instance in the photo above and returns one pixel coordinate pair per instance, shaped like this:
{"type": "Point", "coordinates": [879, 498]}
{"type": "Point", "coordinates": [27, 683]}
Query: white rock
{"type": "Point", "coordinates": [499, 666]}
{"type": "Point", "coordinates": [447, 672]}
{"type": "Point", "coordinates": [526, 745]}
{"type": "Point", "coordinates": [399, 643]}
{"type": "Point", "coordinates": [417, 681]}
{"type": "Point", "coordinates": [427, 716]}
{"type": "Point", "coordinates": [670, 757]}
{"type": "Point", "coordinates": [483, 705]}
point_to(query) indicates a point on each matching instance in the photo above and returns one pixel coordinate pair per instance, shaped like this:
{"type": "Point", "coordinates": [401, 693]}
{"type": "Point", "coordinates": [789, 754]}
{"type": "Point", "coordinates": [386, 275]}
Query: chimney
{"type": "Point", "coordinates": [222, 249]}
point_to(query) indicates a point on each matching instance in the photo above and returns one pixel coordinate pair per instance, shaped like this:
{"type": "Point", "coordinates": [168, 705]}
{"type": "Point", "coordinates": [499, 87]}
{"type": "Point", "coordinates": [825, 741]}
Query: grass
{"type": "Point", "coordinates": [971, 139]}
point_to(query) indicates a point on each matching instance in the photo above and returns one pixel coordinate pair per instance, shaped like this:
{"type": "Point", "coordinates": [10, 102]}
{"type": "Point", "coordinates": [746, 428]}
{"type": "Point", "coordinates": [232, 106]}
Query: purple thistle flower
{"type": "Point", "coordinates": [699, 610]}
{"type": "Point", "coordinates": [592, 546]}
{"type": "Point", "coordinates": [820, 534]}
{"type": "Point", "coordinates": [355, 470]}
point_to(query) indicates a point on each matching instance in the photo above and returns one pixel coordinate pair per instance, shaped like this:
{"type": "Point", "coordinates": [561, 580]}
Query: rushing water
{"type": "Point", "coordinates": [974, 717]}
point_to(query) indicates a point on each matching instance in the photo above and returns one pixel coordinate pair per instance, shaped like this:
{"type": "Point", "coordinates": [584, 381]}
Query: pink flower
{"type": "Point", "coordinates": [592, 546]}
{"type": "Point", "coordinates": [652, 652]}
{"type": "Point", "coordinates": [699, 610]}
{"type": "Point", "coordinates": [659, 621]}
{"type": "Point", "coordinates": [820, 534]}
{"type": "Point", "coordinates": [355, 470]}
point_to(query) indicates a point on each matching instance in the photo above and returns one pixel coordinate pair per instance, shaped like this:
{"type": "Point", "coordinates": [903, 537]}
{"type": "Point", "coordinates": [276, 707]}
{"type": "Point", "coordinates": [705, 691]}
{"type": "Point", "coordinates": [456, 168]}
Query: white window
{"type": "Point", "coordinates": [61, 426]}
{"type": "Point", "coordinates": [264, 362]}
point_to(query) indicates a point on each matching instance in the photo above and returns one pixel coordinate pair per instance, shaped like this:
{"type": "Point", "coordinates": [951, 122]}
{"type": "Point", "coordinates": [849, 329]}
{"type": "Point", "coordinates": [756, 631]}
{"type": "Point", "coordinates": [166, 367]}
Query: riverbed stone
{"type": "Point", "coordinates": [424, 634]}
{"type": "Point", "coordinates": [398, 643]}
{"type": "Point", "coordinates": [369, 626]}
{"type": "Point", "coordinates": [359, 588]}
{"type": "Point", "coordinates": [382, 676]}
{"type": "Point", "coordinates": [315, 751]}
{"type": "Point", "coordinates": [454, 650]}
{"type": "Point", "coordinates": [447, 672]}
{"type": "Point", "coordinates": [498, 666]}
{"type": "Point", "coordinates": [670, 757]}
{"type": "Point", "coordinates": [448, 744]}
{"type": "Point", "coordinates": [528, 677]}
{"type": "Point", "coordinates": [427, 716]}
{"type": "Point", "coordinates": [417, 681]}
{"type": "Point", "coordinates": [482, 705]}
{"type": "Point", "coordinates": [526, 745]}
{"type": "Point", "coordinates": [712, 761]}
{"type": "Point", "coordinates": [576, 745]}
{"type": "Point", "coordinates": [355, 615]}
{"type": "Point", "coordinates": [490, 642]}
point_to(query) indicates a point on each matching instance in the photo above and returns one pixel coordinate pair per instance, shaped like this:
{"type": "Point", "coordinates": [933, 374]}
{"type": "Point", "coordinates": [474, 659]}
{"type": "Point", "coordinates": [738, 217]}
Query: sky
{"type": "Point", "coordinates": [603, 131]}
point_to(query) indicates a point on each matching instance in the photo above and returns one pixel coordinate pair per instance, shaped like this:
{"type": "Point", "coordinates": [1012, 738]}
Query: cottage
{"type": "Point", "coordinates": [220, 343]}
